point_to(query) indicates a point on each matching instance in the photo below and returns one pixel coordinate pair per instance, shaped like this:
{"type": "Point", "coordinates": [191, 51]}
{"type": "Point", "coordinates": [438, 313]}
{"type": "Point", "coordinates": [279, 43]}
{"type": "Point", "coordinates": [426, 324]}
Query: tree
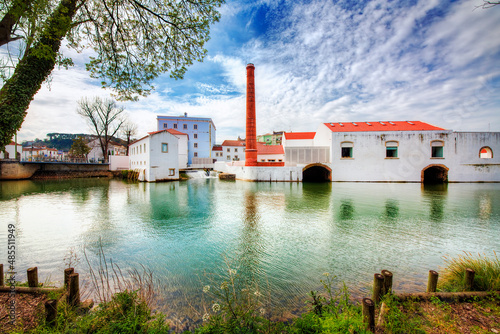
{"type": "Point", "coordinates": [129, 130]}
{"type": "Point", "coordinates": [488, 4]}
{"type": "Point", "coordinates": [134, 41]}
{"type": "Point", "coordinates": [79, 149]}
{"type": "Point", "coordinates": [104, 118]}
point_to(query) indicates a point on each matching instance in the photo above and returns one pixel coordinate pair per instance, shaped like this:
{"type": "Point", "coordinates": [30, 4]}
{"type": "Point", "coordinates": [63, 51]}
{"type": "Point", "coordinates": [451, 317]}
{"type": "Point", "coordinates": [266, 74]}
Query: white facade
{"type": "Point", "coordinates": [404, 156]}
{"type": "Point", "coordinates": [95, 153]}
{"type": "Point", "coordinates": [10, 150]}
{"type": "Point", "coordinates": [159, 156]}
{"type": "Point", "coordinates": [233, 150]}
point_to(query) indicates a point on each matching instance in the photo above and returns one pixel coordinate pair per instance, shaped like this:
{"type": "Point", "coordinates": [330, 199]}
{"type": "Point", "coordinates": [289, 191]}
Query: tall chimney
{"type": "Point", "coordinates": [251, 133]}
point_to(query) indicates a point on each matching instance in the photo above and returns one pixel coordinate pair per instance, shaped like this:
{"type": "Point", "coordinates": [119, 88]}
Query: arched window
{"type": "Point", "coordinates": [485, 153]}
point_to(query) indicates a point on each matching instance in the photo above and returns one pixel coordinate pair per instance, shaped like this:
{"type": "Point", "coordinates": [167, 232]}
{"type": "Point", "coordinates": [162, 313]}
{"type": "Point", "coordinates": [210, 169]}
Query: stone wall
{"type": "Point", "coordinates": [15, 170]}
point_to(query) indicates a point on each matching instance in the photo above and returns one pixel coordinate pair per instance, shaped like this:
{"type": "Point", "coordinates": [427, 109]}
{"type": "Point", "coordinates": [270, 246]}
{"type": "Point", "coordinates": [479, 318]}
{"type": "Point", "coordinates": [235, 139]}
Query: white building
{"type": "Point", "coordinates": [404, 151]}
{"type": "Point", "coordinates": [42, 153]}
{"type": "Point", "coordinates": [270, 153]}
{"type": "Point", "coordinates": [95, 153]}
{"type": "Point", "coordinates": [233, 150]}
{"type": "Point", "coordinates": [159, 155]}
{"type": "Point", "coordinates": [10, 151]}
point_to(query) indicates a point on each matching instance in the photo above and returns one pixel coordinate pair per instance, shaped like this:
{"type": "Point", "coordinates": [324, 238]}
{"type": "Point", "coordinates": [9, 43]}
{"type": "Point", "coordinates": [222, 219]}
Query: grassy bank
{"type": "Point", "coordinates": [233, 305]}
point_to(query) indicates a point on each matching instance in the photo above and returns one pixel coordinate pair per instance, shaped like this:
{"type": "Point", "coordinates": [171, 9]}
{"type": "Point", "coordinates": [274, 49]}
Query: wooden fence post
{"type": "Point", "coordinates": [1, 274]}
{"type": "Point", "coordinates": [432, 281]}
{"type": "Point", "coordinates": [378, 287]}
{"type": "Point", "coordinates": [369, 314]}
{"type": "Point", "coordinates": [387, 281]}
{"type": "Point", "coordinates": [469, 279]}
{"type": "Point", "coordinates": [33, 277]}
{"type": "Point", "coordinates": [67, 272]}
{"type": "Point", "coordinates": [51, 312]}
{"type": "Point", "coordinates": [74, 290]}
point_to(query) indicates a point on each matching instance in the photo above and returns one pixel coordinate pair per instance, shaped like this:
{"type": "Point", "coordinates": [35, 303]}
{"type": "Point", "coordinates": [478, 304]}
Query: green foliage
{"type": "Point", "coordinates": [125, 313]}
{"type": "Point", "coordinates": [134, 42]}
{"type": "Point", "coordinates": [487, 273]}
{"type": "Point", "coordinates": [79, 148]}
{"type": "Point", "coordinates": [402, 317]}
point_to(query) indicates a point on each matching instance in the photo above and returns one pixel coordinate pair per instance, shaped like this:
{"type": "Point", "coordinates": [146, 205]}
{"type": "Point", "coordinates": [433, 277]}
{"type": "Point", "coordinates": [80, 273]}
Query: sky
{"type": "Point", "coordinates": [315, 61]}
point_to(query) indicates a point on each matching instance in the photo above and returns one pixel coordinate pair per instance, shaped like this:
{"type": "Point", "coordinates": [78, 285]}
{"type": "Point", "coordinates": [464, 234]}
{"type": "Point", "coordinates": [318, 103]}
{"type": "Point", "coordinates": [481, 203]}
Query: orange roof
{"type": "Point", "coordinates": [233, 143]}
{"type": "Point", "coordinates": [217, 148]}
{"type": "Point", "coordinates": [171, 131]}
{"type": "Point", "coordinates": [269, 149]}
{"type": "Point", "coordinates": [381, 126]}
{"type": "Point", "coordinates": [299, 135]}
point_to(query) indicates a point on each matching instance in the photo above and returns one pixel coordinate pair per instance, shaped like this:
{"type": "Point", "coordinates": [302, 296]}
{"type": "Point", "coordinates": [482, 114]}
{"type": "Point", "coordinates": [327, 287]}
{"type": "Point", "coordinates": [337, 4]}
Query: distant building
{"type": "Point", "coordinates": [233, 150]}
{"type": "Point", "coordinates": [159, 155]}
{"type": "Point", "coordinates": [10, 151]}
{"type": "Point", "coordinates": [217, 153]}
{"type": "Point", "coordinates": [41, 153]}
{"type": "Point", "coordinates": [114, 148]}
{"type": "Point", "coordinates": [274, 138]}
{"type": "Point", "coordinates": [270, 153]}
{"type": "Point", "coordinates": [201, 133]}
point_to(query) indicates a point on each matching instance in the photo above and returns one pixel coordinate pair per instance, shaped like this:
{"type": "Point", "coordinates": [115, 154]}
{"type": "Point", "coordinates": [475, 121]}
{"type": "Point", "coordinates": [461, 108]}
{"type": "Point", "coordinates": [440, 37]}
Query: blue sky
{"type": "Point", "coordinates": [316, 61]}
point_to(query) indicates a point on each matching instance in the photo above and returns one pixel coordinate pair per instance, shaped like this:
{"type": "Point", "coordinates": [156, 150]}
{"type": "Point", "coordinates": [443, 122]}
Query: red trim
{"type": "Point", "coordinates": [270, 164]}
{"type": "Point", "coordinates": [381, 126]}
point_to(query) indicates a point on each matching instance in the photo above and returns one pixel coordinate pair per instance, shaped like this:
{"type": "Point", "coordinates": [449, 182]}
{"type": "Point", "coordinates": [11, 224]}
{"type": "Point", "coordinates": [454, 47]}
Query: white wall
{"type": "Point", "coordinates": [265, 174]}
{"type": "Point", "coordinates": [118, 162]}
{"type": "Point", "coordinates": [369, 163]}
{"type": "Point", "coordinates": [10, 149]}
{"type": "Point", "coordinates": [164, 165]}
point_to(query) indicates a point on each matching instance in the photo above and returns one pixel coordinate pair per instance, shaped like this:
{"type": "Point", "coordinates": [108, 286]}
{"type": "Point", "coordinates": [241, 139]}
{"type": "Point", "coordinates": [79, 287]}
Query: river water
{"type": "Point", "coordinates": [284, 235]}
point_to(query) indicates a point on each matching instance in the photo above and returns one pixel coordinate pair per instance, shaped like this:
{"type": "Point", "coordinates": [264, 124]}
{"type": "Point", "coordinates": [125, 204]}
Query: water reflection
{"type": "Point", "coordinates": [391, 212]}
{"type": "Point", "coordinates": [435, 196]}
{"type": "Point", "coordinates": [346, 210]}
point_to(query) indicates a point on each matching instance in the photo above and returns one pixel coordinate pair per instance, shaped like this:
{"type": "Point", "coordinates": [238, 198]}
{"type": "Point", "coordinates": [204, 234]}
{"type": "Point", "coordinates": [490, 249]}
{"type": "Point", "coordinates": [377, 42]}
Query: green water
{"type": "Point", "coordinates": [285, 235]}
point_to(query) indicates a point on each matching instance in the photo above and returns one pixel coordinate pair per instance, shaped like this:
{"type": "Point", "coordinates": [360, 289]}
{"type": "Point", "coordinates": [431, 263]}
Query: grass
{"type": "Point", "coordinates": [487, 273]}
{"type": "Point", "coordinates": [234, 304]}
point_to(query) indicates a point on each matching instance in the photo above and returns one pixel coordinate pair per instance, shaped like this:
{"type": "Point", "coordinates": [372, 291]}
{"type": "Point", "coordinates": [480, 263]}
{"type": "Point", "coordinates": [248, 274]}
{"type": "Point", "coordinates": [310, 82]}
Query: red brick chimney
{"type": "Point", "coordinates": [251, 133]}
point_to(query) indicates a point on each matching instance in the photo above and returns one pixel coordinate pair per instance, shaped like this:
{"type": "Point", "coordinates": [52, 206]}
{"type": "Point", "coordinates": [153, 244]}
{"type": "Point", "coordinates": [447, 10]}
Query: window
{"type": "Point", "coordinates": [140, 149]}
{"type": "Point", "coordinates": [485, 153]}
{"type": "Point", "coordinates": [195, 154]}
{"type": "Point", "coordinates": [346, 149]}
{"type": "Point", "coordinates": [236, 150]}
{"type": "Point", "coordinates": [391, 149]}
{"type": "Point", "coordinates": [175, 126]}
{"type": "Point", "coordinates": [437, 149]}
{"type": "Point", "coordinates": [236, 157]}
{"type": "Point", "coordinates": [171, 171]}
{"type": "Point", "coordinates": [271, 160]}
{"type": "Point", "coordinates": [195, 136]}
{"type": "Point", "coordinates": [263, 160]}
{"type": "Point", "coordinates": [195, 145]}
{"type": "Point", "coordinates": [185, 126]}
{"type": "Point", "coordinates": [164, 147]}
{"type": "Point", "coordinates": [165, 125]}
{"type": "Point", "coordinates": [228, 158]}
{"type": "Point", "coordinates": [144, 147]}
{"type": "Point", "coordinates": [195, 126]}
{"type": "Point", "coordinates": [228, 149]}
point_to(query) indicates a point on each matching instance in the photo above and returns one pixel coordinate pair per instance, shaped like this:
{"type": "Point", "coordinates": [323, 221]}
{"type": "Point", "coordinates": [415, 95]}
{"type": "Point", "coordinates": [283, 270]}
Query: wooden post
{"type": "Point", "coordinates": [469, 279]}
{"type": "Point", "coordinates": [432, 281]}
{"type": "Point", "coordinates": [67, 272]}
{"type": "Point", "coordinates": [74, 290]}
{"type": "Point", "coordinates": [1, 274]}
{"type": "Point", "coordinates": [387, 281]}
{"type": "Point", "coordinates": [51, 312]}
{"type": "Point", "coordinates": [33, 277]}
{"type": "Point", "coordinates": [378, 287]}
{"type": "Point", "coordinates": [369, 314]}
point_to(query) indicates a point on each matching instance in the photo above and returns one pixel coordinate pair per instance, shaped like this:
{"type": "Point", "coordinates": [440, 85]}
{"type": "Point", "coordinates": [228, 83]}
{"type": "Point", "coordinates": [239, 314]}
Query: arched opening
{"type": "Point", "coordinates": [485, 153]}
{"type": "Point", "coordinates": [435, 174]}
{"type": "Point", "coordinates": [316, 173]}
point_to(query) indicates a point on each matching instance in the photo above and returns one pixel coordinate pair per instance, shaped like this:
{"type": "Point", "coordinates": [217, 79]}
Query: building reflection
{"type": "Point", "coordinates": [346, 210]}
{"type": "Point", "coordinates": [391, 212]}
{"type": "Point", "coordinates": [435, 195]}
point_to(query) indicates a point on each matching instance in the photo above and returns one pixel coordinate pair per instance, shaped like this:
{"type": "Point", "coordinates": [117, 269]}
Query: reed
{"type": "Point", "coordinates": [487, 269]}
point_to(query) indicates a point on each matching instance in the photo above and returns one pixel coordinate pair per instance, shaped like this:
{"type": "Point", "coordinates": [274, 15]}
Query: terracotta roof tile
{"type": "Point", "coordinates": [381, 126]}
{"type": "Point", "coordinates": [233, 143]}
{"type": "Point", "coordinates": [269, 149]}
{"type": "Point", "coordinates": [299, 135]}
